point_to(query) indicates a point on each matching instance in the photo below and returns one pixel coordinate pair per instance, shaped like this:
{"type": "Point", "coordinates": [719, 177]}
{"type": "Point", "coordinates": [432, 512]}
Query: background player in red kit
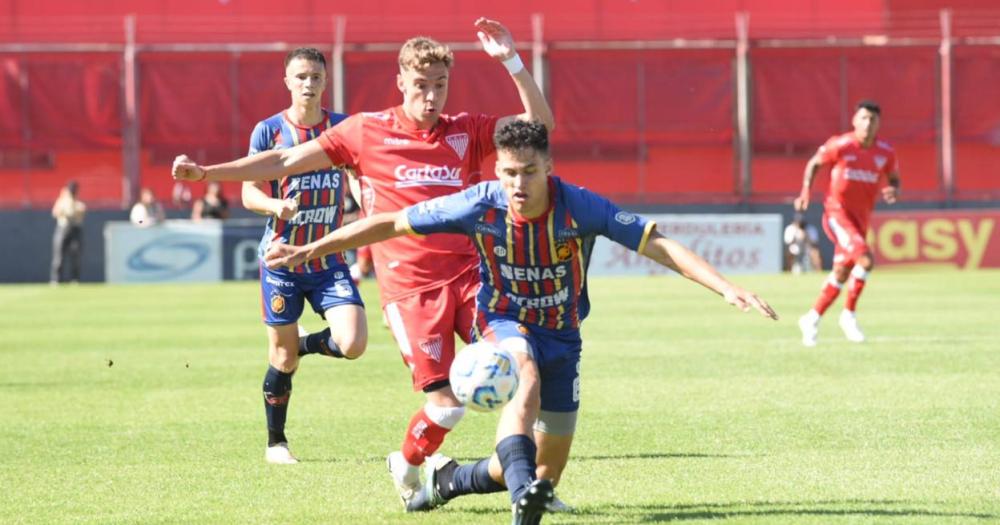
{"type": "Point", "coordinates": [404, 155]}
{"type": "Point", "coordinates": [862, 165]}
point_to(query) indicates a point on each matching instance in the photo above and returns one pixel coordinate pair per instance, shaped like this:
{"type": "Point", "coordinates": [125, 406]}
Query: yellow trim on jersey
{"type": "Point", "coordinates": [409, 229]}
{"type": "Point", "coordinates": [579, 253]}
{"type": "Point", "coordinates": [562, 314]}
{"type": "Point", "coordinates": [531, 254]}
{"type": "Point", "coordinates": [510, 239]}
{"type": "Point", "coordinates": [650, 226]}
{"type": "Point", "coordinates": [553, 253]}
{"type": "Point", "coordinates": [482, 249]}
{"type": "Point", "coordinates": [494, 300]}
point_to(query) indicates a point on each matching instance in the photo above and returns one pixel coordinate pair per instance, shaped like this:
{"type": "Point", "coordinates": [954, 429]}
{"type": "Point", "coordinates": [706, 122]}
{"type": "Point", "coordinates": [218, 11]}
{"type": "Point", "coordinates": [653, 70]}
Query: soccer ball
{"type": "Point", "coordinates": [483, 376]}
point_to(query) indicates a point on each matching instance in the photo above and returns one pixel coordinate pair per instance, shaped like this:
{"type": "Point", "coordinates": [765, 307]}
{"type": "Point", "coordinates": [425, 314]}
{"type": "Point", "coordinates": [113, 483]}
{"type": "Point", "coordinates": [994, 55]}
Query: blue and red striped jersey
{"type": "Point", "coordinates": [533, 271]}
{"type": "Point", "coordinates": [320, 193]}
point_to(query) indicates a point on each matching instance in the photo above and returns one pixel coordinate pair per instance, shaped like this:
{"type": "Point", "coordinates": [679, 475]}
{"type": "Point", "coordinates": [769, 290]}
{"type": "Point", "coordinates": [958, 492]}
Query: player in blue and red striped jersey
{"type": "Point", "coordinates": [302, 208]}
{"type": "Point", "coordinates": [534, 234]}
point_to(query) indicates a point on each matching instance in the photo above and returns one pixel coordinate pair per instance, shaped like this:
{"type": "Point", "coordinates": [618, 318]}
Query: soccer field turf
{"type": "Point", "coordinates": [142, 404]}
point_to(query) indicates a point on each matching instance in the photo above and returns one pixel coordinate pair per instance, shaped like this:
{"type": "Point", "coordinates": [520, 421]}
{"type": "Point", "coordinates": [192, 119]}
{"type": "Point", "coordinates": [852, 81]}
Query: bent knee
{"type": "Point", "coordinates": [352, 347]}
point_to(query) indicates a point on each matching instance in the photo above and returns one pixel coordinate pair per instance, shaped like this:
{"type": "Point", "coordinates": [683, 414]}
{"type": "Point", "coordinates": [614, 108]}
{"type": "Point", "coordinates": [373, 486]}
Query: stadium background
{"type": "Point", "coordinates": [666, 106]}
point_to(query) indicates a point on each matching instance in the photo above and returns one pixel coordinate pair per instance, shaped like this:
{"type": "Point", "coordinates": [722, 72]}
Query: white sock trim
{"type": "Point", "coordinates": [832, 281]}
{"type": "Point", "coordinates": [859, 273]}
{"type": "Point", "coordinates": [446, 417]}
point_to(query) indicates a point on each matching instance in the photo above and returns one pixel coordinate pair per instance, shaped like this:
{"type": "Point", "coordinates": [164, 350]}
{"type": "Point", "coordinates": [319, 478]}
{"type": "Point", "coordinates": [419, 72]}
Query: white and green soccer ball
{"type": "Point", "coordinates": [484, 376]}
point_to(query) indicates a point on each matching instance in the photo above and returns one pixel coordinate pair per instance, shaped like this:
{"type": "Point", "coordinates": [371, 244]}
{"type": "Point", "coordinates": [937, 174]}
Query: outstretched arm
{"type": "Point", "coordinates": [268, 165]}
{"type": "Point", "coordinates": [499, 44]}
{"type": "Point", "coordinates": [677, 257]}
{"type": "Point", "coordinates": [369, 230]}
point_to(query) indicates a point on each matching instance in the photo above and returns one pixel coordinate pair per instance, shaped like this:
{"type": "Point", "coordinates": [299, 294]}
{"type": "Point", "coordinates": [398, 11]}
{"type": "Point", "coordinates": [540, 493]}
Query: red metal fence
{"type": "Point", "coordinates": [722, 113]}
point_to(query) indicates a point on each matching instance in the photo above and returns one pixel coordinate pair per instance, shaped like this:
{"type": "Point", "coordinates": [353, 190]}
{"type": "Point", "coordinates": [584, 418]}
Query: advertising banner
{"type": "Point", "coordinates": [965, 239]}
{"type": "Point", "coordinates": [176, 251]}
{"type": "Point", "coordinates": [733, 243]}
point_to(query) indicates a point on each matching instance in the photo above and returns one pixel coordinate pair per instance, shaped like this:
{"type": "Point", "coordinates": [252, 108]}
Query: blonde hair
{"type": "Point", "coordinates": [420, 52]}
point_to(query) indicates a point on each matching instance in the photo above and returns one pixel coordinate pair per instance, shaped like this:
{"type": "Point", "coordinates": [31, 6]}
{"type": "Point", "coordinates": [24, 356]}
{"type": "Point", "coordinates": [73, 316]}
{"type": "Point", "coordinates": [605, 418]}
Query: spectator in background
{"type": "Point", "coordinates": [802, 246]}
{"type": "Point", "coordinates": [180, 195]}
{"type": "Point", "coordinates": [147, 211]}
{"type": "Point", "coordinates": [67, 242]}
{"type": "Point", "coordinates": [212, 206]}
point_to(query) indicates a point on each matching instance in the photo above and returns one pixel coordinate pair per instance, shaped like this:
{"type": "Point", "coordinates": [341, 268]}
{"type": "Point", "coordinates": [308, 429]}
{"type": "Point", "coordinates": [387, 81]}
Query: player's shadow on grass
{"type": "Point", "coordinates": [706, 511]}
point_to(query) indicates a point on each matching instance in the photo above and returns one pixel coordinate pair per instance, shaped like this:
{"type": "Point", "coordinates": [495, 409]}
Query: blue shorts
{"type": "Point", "coordinates": [557, 354]}
{"type": "Point", "coordinates": [284, 293]}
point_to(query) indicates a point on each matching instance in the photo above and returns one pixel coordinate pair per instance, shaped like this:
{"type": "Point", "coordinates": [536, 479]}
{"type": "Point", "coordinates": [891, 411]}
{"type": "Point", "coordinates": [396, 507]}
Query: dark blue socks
{"type": "Point", "coordinates": [277, 390]}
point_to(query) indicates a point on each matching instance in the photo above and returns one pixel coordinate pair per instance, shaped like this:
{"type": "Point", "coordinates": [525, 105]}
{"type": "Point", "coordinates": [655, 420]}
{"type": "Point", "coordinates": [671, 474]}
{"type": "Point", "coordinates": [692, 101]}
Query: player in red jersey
{"type": "Point", "coordinates": [863, 168]}
{"type": "Point", "coordinates": [403, 155]}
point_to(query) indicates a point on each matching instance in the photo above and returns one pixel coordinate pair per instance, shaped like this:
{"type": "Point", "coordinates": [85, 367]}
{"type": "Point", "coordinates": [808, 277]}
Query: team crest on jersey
{"type": "Point", "coordinates": [500, 251]}
{"type": "Point", "coordinates": [880, 161]}
{"type": "Point", "coordinates": [277, 303]}
{"type": "Point", "coordinates": [563, 252]}
{"type": "Point", "coordinates": [432, 347]}
{"type": "Point", "coordinates": [458, 142]}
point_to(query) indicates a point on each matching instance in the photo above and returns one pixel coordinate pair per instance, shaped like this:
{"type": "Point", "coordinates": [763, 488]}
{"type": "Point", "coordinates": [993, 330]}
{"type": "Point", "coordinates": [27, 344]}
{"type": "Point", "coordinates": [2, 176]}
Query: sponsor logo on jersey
{"type": "Point", "coordinates": [317, 181]}
{"type": "Point", "coordinates": [860, 175]}
{"type": "Point", "coordinates": [563, 252]}
{"type": "Point", "coordinates": [376, 115]}
{"type": "Point", "coordinates": [545, 301]}
{"type": "Point", "coordinates": [625, 217]}
{"type": "Point", "coordinates": [850, 157]}
{"type": "Point", "coordinates": [567, 234]}
{"type": "Point", "coordinates": [458, 142]}
{"type": "Point", "coordinates": [432, 347]}
{"type": "Point", "coordinates": [532, 273]}
{"type": "Point", "coordinates": [488, 229]}
{"type": "Point", "coordinates": [880, 161]}
{"type": "Point", "coordinates": [427, 175]}
{"type": "Point", "coordinates": [500, 251]}
{"type": "Point", "coordinates": [277, 304]}
{"type": "Point", "coordinates": [393, 141]}
{"type": "Point", "coordinates": [323, 215]}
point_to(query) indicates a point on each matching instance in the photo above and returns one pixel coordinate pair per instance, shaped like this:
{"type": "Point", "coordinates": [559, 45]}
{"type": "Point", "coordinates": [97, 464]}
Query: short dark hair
{"type": "Point", "coordinates": [520, 134]}
{"type": "Point", "coordinates": [870, 105]}
{"type": "Point", "coordinates": [309, 53]}
{"type": "Point", "coordinates": [73, 187]}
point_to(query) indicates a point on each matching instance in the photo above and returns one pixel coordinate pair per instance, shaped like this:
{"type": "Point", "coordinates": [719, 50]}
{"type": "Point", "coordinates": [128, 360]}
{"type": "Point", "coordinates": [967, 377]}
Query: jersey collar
{"type": "Point", "coordinates": [410, 126]}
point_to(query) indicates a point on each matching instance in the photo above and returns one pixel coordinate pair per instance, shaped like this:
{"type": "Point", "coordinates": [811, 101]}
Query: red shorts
{"type": "Point", "coordinates": [848, 236]}
{"type": "Point", "coordinates": [425, 324]}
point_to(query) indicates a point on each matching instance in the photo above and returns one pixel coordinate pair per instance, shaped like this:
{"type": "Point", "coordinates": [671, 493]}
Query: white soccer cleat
{"type": "Point", "coordinates": [810, 330]}
{"type": "Point", "coordinates": [279, 455]}
{"type": "Point", "coordinates": [406, 477]}
{"type": "Point", "coordinates": [849, 324]}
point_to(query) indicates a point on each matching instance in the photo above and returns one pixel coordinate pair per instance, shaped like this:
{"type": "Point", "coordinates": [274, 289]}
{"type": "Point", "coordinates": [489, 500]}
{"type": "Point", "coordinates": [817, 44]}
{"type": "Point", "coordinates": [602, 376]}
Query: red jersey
{"type": "Point", "coordinates": [857, 174]}
{"type": "Point", "coordinates": [399, 165]}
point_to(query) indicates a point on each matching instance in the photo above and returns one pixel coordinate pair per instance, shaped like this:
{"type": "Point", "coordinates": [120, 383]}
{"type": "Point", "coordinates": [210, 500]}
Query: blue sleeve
{"type": "Point", "coordinates": [597, 215]}
{"type": "Point", "coordinates": [455, 213]}
{"type": "Point", "coordinates": [260, 139]}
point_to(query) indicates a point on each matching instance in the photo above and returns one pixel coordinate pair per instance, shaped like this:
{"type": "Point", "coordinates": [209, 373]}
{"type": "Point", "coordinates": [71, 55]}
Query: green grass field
{"type": "Point", "coordinates": [142, 404]}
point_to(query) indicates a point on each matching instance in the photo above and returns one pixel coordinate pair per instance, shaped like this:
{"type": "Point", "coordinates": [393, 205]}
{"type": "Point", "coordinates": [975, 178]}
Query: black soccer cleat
{"type": "Point", "coordinates": [533, 503]}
